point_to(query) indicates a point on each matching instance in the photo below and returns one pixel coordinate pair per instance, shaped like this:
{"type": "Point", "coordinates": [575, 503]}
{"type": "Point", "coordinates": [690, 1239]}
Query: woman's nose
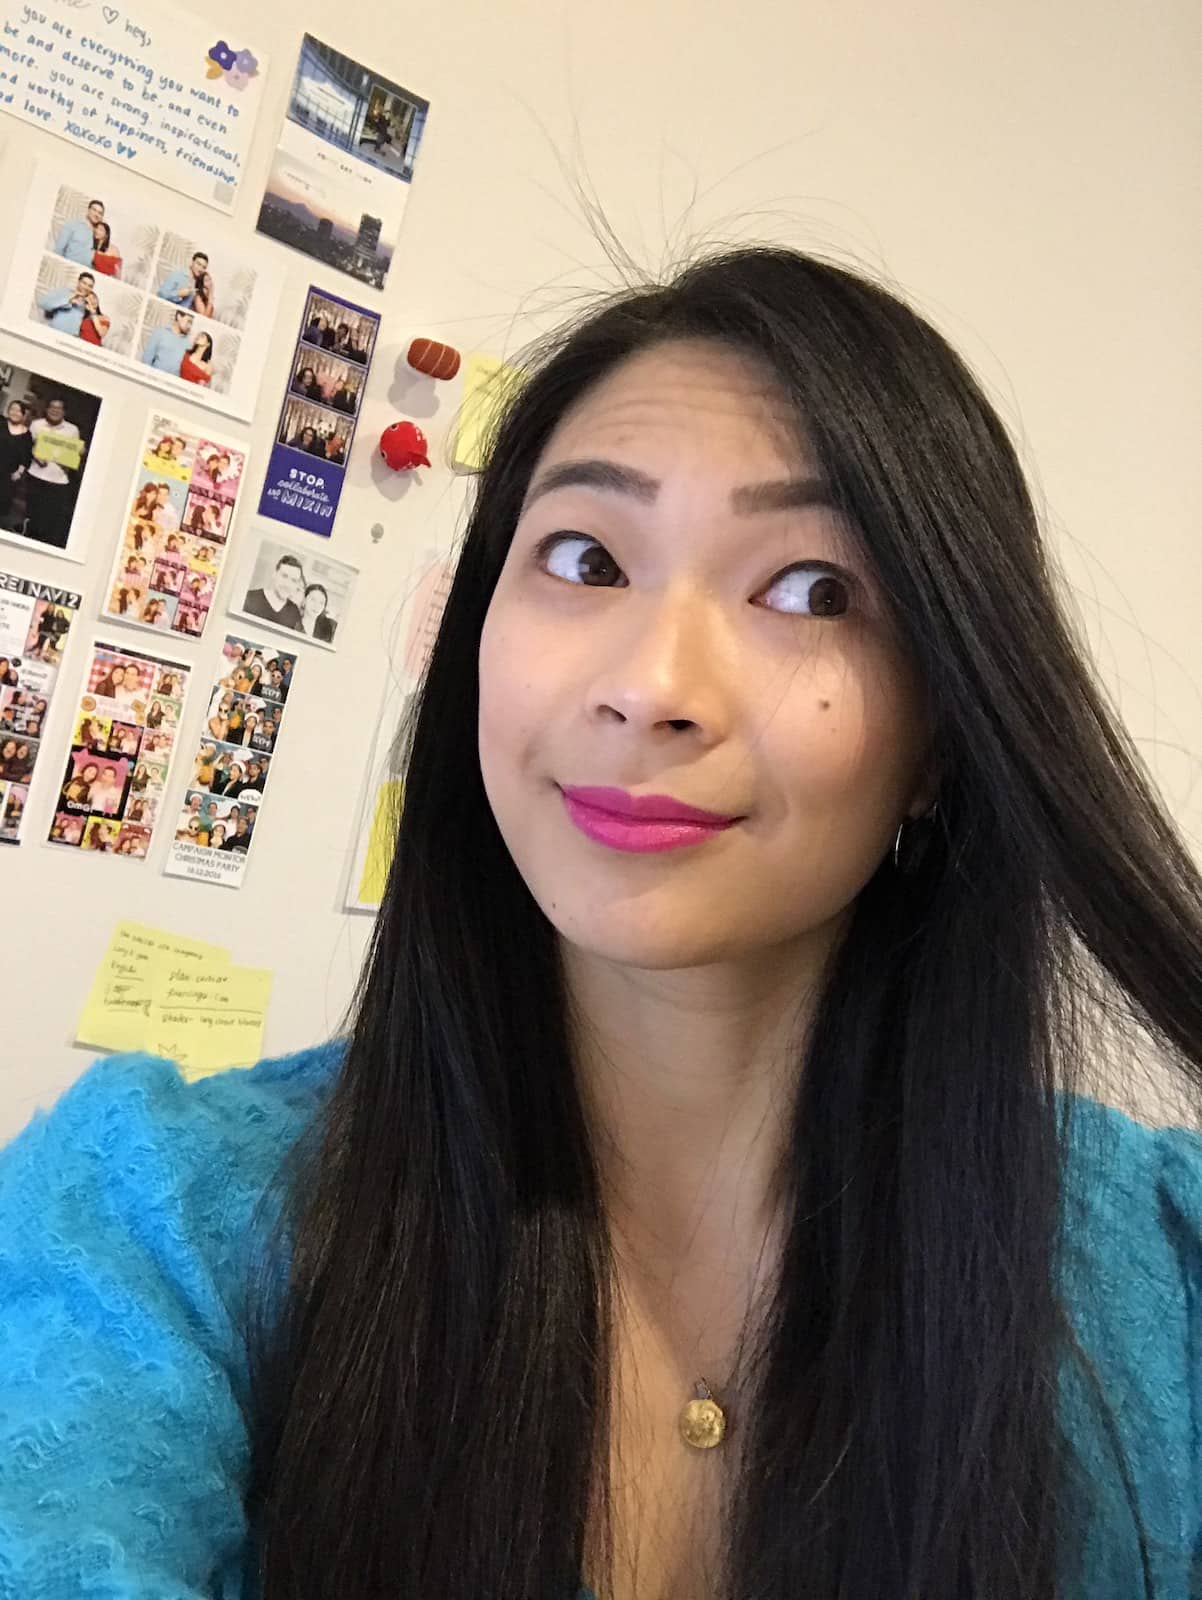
{"type": "Point", "coordinates": [669, 664]}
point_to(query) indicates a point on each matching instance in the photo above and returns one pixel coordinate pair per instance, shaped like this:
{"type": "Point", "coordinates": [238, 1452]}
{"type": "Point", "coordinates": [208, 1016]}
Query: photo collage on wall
{"type": "Point", "coordinates": [35, 619]}
{"type": "Point", "coordinates": [157, 292]}
{"type": "Point", "coordinates": [125, 733]}
{"type": "Point", "coordinates": [229, 775]}
{"type": "Point", "coordinates": [181, 508]}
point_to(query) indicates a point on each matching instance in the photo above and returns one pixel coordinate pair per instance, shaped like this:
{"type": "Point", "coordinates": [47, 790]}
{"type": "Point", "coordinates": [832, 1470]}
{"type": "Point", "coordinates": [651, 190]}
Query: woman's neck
{"type": "Point", "coordinates": [689, 1079]}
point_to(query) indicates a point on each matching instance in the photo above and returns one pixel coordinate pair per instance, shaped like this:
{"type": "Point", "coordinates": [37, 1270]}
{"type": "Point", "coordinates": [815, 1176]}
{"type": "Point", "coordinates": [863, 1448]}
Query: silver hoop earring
{"type": "Point", "coordinates": [908, 861]}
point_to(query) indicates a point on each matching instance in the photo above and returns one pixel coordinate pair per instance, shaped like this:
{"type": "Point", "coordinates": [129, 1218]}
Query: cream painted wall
{"type": "Point", "coordinates": [1027, 173]}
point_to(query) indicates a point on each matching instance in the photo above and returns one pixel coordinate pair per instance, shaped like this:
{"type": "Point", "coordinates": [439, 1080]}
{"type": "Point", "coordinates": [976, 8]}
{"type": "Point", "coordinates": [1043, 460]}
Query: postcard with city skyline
{"type": "Point", "coordinates": [340, 177]}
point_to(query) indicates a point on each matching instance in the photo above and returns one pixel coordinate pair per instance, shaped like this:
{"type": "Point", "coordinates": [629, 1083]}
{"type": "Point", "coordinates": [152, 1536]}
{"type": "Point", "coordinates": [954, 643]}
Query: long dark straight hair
{"type": "Point", "coordinates": [431, 1380]}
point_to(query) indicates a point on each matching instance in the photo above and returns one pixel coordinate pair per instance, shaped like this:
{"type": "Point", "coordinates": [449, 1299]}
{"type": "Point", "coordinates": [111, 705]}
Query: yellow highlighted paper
{"type": "Point", "coordinates": [380, 842]}
{"type": "Point", "coordinates": [488, 384]}
{"type": "Point", "coordinates": [175, 997]}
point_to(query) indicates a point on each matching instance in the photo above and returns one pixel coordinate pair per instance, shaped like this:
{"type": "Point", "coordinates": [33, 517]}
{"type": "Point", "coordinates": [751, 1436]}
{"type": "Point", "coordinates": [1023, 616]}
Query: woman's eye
{"type": "Point", "coordinates": [577, 558]}
{"type": "Point", "coordinates": [812, 589]}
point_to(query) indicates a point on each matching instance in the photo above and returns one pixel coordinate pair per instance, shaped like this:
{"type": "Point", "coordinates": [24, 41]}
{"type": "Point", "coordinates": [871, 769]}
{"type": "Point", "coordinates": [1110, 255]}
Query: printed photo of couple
{"type": "Point", "coordinates": [113, 784]}
{"type": "Point", "coordinates": [45, 441]}
{"type": "Point", "coordinates": [171, 306]}
{"type": "Point", "coordinates": [109, 240]}
{"type": "Point", "coordinates": [298, 590]}
{"type": "Point", "coordinates": [182, 503]}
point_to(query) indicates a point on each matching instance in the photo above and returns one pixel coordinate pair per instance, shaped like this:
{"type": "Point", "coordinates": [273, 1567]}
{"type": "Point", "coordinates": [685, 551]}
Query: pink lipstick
{"type": "Point", "coordinates": [640, 823]}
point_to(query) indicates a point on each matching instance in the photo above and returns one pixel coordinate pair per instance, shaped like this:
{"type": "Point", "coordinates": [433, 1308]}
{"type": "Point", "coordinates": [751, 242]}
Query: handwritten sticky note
{"type": "Point", "coordinates": [118, 1004]}
{"type": "Point", "coordinates": [380, 842]}
{"type": "Point", "coordinates": [488, 386]}
{"type": "Point", "coordinates": [208, 1019]}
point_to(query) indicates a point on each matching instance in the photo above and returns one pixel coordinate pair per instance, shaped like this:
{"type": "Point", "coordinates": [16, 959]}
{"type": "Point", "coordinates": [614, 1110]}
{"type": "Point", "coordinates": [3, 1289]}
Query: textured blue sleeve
{"type": "Point", "coordinates": [123, 1218]}
{"type": "Point", "coordinates": [1133, 1276]}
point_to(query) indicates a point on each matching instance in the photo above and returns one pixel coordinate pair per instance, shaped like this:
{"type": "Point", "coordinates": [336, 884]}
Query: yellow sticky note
{"type": "Point", "coordinates": [488, 386]}
{"type": "Point", "coordinates": [209, 1019]}
{"type": "Point", "coordinates": [380, 842]}
{"type": "Point", "coordinates": [118, 1004]}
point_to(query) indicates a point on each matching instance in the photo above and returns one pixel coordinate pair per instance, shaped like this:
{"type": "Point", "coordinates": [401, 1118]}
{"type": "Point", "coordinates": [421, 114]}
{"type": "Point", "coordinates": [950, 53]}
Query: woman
{"type": "Point", "coordinates": [146, 503]}
{"type": "Point", "coordinates": [77, 790]}
{"type": "Point", "coordinates": [196, 363]}
{"type": "Point", "coordinates": [154, 714]}
{"type": "Point", "coordinates": [111, 685]}
{"type": "Point", "coordinates": [140, 780]}
{"type": "Point", "coordinates": [104, 258]}
{"type": "Point", "coordinates": [235, 781]}
{"type": "Point", "coordinates": [204, 299]}
{"type": "Point", "coordinates": [758, 1075]}
{"type": "Point", "coordinates": [304, 439]}
{"type": "Point", "coordinates": [16, 452]}
{"type": "Point", "coordinates": [315, 619]}
{"type": "Point", "coordinates": [154, 613]}
{"type": "Point", "coordinates": [306, 384]}
{"type": "Point", "coordinates": [95, 325]}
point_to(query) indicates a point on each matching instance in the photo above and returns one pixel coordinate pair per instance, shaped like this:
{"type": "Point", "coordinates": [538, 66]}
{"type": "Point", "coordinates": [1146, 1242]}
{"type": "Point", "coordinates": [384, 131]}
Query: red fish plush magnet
{"type": "Point", "coordinates": [403, 445]}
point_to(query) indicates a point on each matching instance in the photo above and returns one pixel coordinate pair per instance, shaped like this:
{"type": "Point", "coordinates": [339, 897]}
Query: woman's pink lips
{"type": "Point", "coordinates": [640, 834]}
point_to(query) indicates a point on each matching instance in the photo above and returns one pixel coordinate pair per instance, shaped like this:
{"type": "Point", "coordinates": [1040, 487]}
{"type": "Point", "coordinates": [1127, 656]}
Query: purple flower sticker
{"type": "Point", "coordinates": [222, 55]}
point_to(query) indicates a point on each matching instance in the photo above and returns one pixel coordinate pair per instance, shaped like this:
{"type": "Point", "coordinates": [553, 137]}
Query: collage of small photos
{"type": "Point", "coordinates": [181, 507]}
{"type": "Point", "coordinates": [215, 829]}
{"type": "Point", "coordinates": [125, 731]}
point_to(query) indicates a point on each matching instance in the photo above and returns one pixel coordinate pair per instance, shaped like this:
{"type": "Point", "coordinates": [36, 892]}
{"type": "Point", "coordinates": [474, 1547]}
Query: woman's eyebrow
{"type": "Point", "coordinates": [785, 494]}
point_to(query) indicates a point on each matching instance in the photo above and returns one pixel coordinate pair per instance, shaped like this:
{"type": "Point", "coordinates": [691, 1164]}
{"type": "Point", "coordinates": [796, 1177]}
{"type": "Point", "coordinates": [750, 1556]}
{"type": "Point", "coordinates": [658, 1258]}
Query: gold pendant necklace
{"type": "Point", "coordinates": [703, 1421]}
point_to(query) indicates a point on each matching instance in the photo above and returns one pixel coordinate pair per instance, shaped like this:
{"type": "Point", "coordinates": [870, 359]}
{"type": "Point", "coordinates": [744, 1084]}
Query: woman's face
{"type": "Point", "coordinates": [694, 665]}
{"type": "Point", "coordinates": [16, 414]}
{"type": "Point", "coordinates": [91, 301]}
{"type": "Point", "coordinates": [90, 773]}
{"type": "Point", "coordinates": [315, 604]}
{"type": "Point", "coordinates": [9, 750]}
{"type": "Point", "coordinates": [117, 674]}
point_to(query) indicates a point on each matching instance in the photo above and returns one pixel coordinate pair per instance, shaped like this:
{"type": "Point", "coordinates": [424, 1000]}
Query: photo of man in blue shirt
{"type": "Point", "coordinates": [76, 239]}
{"type": "Point", "coordinates": [65, 309]}
{"type": "Point", "coordinates": [182, 286]}
{"type": "Point", "coordinates": [165, 347]}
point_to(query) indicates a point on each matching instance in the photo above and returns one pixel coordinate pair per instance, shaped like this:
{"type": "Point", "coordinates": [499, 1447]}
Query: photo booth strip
{"type": "Point", "coordinates": [122, 743]}
{"type": "Point", "coordinates": [35, 619]}
{"type": "Point", "coordinates": [179, 511]}
{"type": "Point", "coordinates": [327, 377]}
{"type": "Point", "coordinates": [231, 768]}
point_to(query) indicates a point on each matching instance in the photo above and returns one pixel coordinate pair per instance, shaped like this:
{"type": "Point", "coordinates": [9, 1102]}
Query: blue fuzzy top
{"type": "Point", "coordinates": [124, 1215]}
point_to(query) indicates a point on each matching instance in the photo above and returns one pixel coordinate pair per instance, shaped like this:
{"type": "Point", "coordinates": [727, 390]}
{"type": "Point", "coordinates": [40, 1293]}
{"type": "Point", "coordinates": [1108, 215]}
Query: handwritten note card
{"type": "Point", "coordinates": [208, 1019]}
{"type": "Point", "coordinates": [153, 88]}
{"type": "Point", "coordinates": [178, 998]}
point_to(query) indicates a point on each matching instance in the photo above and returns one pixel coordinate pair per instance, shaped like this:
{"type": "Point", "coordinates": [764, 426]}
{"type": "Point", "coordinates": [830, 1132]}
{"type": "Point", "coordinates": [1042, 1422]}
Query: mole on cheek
{"type": "Point", "coordinates": [824, 705]}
